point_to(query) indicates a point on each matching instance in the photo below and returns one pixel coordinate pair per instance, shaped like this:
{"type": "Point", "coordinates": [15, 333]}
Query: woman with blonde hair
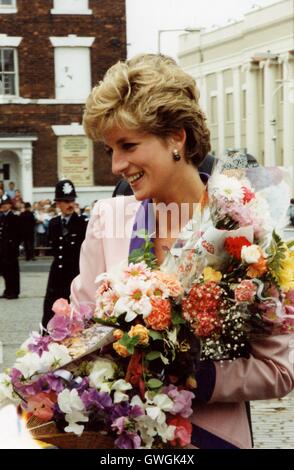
{"type": "Point", "coordinates": [146, 112]}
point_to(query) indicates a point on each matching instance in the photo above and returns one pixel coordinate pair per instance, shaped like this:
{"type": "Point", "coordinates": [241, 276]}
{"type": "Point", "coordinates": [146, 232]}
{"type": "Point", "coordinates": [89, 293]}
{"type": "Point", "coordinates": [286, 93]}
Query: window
{"type": "Point", "coordinates": [229, 107]}
{"type": "Point", "coordinates": [7, 6]}
{"type": "Point", "coordinates": [7, 71]}
{"type": "Point", "coordinates": [72, 67]}
{"type": "Point", "coordinates": [213, 109]}
{"type": "Point", "coordinates": [71, 7]}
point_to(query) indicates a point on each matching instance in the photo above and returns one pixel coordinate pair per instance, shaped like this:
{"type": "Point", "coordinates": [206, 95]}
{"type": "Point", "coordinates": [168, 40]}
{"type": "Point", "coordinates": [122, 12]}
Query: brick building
{"type": "Point", "coordinates": [51, 54]}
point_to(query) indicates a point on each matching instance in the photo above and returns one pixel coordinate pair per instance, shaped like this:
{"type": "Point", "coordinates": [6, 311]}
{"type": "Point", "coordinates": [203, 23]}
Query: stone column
{"type": "Point", "coordinates": [270, 112]}
{"type": "Point", "coordinates": [201, 82]}
{"type": "Point", "coordinates": [25, 158]}
{"type": "Point", "coordinates": [288, 110]}
{"type": "Point", "coordinates": [220, 114]}
{"type": "Point", "coordinates": [237, 107]}
{"type": "Point", "coordinates": [252, 143]}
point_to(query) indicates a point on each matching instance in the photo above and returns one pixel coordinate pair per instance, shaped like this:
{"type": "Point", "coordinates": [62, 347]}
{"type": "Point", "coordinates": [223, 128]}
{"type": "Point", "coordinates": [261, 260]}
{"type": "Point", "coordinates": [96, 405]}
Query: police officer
{"type": "Point", "coordinates": [66, 233]}
{"type": "Point", "coordinates": [9, 249]}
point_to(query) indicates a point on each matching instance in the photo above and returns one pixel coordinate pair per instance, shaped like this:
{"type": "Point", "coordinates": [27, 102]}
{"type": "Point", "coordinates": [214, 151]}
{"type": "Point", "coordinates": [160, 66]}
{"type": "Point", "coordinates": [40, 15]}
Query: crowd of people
{"type": "Point", "coordinates": [58, 226]}
{"type": "Point", "coordinates": [34, 220]}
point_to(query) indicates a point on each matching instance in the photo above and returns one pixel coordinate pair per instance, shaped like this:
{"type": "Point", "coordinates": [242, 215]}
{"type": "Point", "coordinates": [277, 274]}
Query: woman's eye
{"type": "Point", "coordinates": [129, 146]}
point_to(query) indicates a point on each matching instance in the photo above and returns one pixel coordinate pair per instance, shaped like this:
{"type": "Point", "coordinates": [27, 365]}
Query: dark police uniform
{"type": "Point", "coordinates": [9, 251]}
{"type": "Point", "coordinates": [65, 240]}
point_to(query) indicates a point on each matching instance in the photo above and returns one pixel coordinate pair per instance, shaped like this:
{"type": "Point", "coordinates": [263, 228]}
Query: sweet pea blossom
{"type": "Point", "coordinates": [61, 307]}
{"type": "Point", "coordinates": [120, 386]}
{"type": "Point", "coordinates": [182, 400]}
{"type": "Point", "coordinates": [157, 406]}
{"type": "Point", "coordinates": [73, 418]}
{"type": "Point", "coordinates": [6, 389]}
{"type": "Point", "coordinates": [103, 370]}
{"type": "Point", "coordinates": [30, 364]}
{"type": "Point", "coordinates": [69, 400]}
{"type": "Point", "coordinates": [42, 405]}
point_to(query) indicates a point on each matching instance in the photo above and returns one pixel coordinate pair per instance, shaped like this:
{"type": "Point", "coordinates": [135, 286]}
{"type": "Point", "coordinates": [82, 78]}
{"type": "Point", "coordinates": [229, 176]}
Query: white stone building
{"type": "Point", "coordinates": [245, 72]}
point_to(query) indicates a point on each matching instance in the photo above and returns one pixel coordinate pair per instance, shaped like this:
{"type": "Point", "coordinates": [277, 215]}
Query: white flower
{"type": "Point", "coordinates": [71, 404]}
{"type": "Point", "coordinates": [57, 355]}
{"type": "Point", "coordinates": [137, 271]}
{"type": "Point", "coordinates": [6, 390]}
{"type": "Point", "coordinates": [103, 370]}
{"type": "Point", "coordinates": [73, 418]}
{"type": "Point", "coordinates": [166, 432]}
{"type": "Point", "coordinates": [30, 364]}
{"type": "Point", "coordinates": [250, 254]}
{"type": "Point", "coordinates": [227, 187]}
{"type": "Point", "coordinates": [69, 401]}
{"type": "Point", "coordinates": [133, 299]}
{"type": "Point", "coordinates": [34, 336]}
{"type": "Point", "coordinates": [156, 408]}
{"type": "Point", "coordinates": [120, 386]}
{"type": "Point", "coordinates": [136, 401]}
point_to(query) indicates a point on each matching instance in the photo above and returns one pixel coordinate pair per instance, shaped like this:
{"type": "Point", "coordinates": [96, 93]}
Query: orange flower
{"type": "Point", "coordinates": [142, 332]}
{"type": "Point", "coordinates": [183, 431]}
{"type": "Point", "coordinates": [120, 349]}
{"type": "Point", "coordinates": [160, 316]}
{"type": "Point", "coordinates": [118, 334]}
{"type": "Point", "coordinates": [41, 405]}
{"type": "Point", "coordinates": [257, 269]}
{"type": "Point", "coordinates": [170, 281]}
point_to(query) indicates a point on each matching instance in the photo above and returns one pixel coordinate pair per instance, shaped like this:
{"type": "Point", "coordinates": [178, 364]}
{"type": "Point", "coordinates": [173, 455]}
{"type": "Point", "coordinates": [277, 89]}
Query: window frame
{"type": "Point", "coordinates": [15, 72]}
{"type": "Point", "coordinates": [8, 8]}
{"type": "Point", "coordinates": [61, 10]}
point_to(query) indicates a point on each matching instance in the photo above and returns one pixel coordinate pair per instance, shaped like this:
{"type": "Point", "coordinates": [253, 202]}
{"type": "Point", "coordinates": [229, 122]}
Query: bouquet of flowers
{"type": "Point", "coordinates": [129, 369]}
{"type": "Point", "coordinates": [237, 271]}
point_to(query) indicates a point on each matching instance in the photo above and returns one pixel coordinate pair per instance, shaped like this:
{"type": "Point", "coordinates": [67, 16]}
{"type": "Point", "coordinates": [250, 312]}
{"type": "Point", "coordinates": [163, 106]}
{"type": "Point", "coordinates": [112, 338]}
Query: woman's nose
{"type": "Point", "coordinates": [119, 163]}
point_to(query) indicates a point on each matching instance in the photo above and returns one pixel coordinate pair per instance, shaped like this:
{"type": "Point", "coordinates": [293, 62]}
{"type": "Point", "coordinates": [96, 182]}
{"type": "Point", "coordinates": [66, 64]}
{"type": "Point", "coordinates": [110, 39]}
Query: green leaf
{"type": "Point", "coordinates": [129, 343]}
{"type": "Point", "coordinates": [154, 334]}
{"type": "Point", "coordinates": [164, 359]}
{"type": "Point", "coordinates": [145, 252]}
{"type": "Point", "coordinates": [136, 256]}
{"type": "Point", "coordinates": [153, 355]}
{"type": "Point", "coordinates": [154, 383]}
{"type": "Point", "coordinates": [276, 254]}
{"type": "Point", "coordinates": [111, 321]}
{"type": "Point", "coordinates": [177, 318]}
{"type": "Point", "coordinates": [290, 244]}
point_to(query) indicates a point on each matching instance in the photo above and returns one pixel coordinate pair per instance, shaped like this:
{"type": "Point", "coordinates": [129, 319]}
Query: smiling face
{"type": "Point", "coordinates": [145, 161]}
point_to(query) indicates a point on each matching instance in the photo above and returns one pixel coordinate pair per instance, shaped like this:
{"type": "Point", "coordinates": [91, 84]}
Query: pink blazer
{"type": "Point", "coordinates": [267, 373]}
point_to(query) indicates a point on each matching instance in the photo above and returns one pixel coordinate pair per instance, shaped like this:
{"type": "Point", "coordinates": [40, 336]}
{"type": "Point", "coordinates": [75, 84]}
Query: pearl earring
{"type": "Point", "coordinates": [176, 155]}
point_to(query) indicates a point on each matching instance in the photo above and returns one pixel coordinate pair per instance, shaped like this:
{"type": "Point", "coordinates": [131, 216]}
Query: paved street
{"type": "Point", "coordinates": [273, 420]}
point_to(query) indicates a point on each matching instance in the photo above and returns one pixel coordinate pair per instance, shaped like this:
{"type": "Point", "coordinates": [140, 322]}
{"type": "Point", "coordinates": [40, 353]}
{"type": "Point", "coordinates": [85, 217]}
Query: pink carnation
{"type": "Point", "coordinates": [246, 291]}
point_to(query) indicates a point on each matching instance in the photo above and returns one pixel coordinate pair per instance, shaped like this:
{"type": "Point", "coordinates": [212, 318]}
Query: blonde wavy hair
{"type": "Point", "coordinates": [151, 94]}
